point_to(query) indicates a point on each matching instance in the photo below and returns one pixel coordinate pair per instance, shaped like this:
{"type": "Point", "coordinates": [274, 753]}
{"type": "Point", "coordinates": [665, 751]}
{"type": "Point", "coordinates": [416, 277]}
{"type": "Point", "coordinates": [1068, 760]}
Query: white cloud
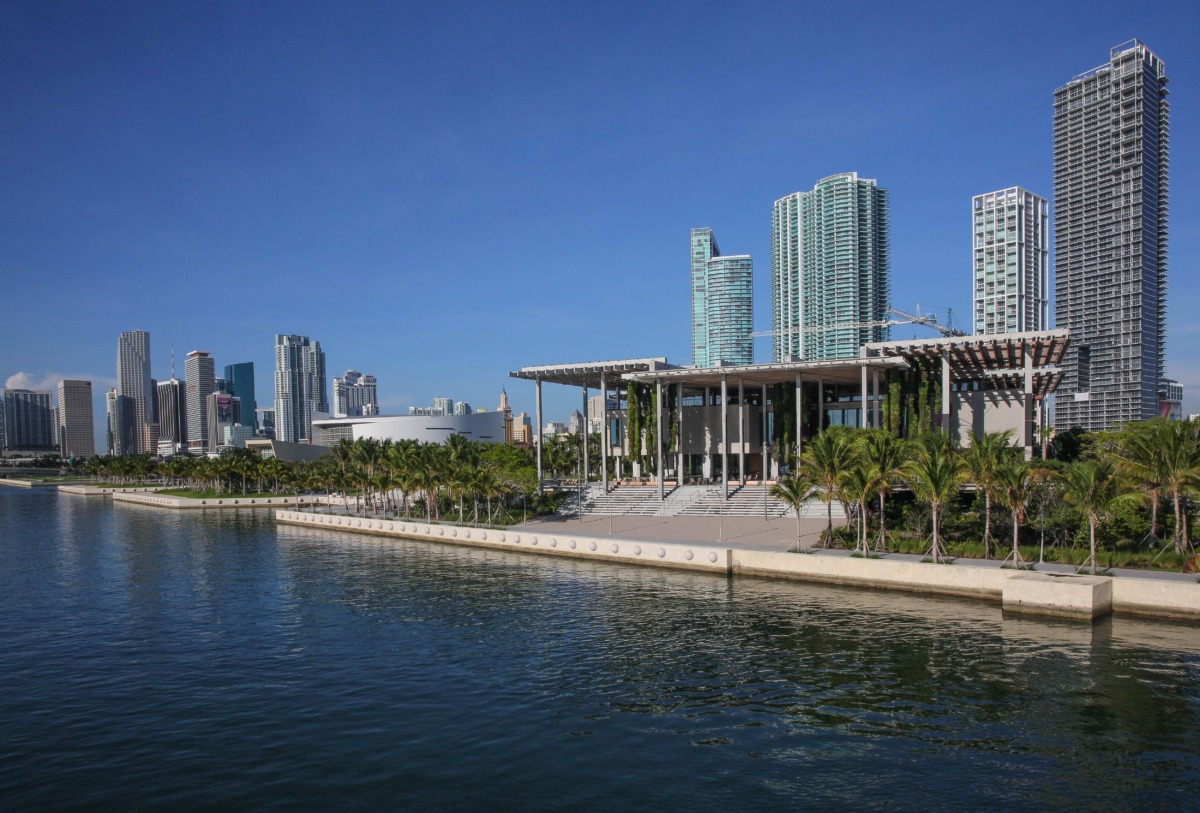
{"type": "Point", "coordinates": [48, 382]}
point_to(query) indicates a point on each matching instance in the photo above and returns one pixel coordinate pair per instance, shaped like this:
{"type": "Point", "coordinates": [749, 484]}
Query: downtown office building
{"type": "Point", "coordinates": [830, 274]}
{"type": "Point", "coordinates": [76, 427]}
{"type": "Point", "coordinates": [200, 373]}
{"type": "Point", "coordinates": [1011, 260]}
{"type": "Point", "coordinates": [1110, 232]}
{"type": "Point", "coordinates": [135, 395]}
{"type": "Point", "coordinates": [300, 393]}
{"type": "Point", "coordinates": [722, 304]}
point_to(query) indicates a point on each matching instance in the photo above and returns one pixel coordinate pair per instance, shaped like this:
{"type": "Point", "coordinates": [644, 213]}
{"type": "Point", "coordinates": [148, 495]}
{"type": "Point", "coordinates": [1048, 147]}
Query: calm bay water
{"type": "Point", "coordinates": [175, 660]}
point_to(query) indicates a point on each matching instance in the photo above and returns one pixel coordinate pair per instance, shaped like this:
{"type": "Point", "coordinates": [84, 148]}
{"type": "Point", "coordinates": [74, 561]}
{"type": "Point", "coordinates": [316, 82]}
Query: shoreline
{"type": "Point", "coordinates": [1035, 592]}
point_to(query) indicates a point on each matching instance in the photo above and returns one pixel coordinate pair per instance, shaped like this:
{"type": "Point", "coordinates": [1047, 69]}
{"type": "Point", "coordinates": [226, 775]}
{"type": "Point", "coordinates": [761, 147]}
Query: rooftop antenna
{"type": "Point", "coordinates": [172, 361]}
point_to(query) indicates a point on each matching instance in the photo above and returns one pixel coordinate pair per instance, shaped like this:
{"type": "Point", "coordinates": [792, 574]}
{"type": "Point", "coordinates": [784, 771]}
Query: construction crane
{"type": "Point", "coordinates": [898, 317]}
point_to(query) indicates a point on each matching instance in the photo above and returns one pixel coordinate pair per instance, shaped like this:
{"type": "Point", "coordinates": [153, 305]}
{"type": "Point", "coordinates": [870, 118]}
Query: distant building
{"type": "Point", "coordinates": [135, 389]}
{"type": "Point", "coordinates": [487, 427]}
{"type": "Point", "coordinates": [506, 411]}
{"type": "Point", "coordinates": [237, 435]}
{"type": "Point", "coordinates": [1170, 399]}
{"type": "Point", "coordinates": [443, 406]}
{"type": "Point", "coordinates": [240, 378]}
{"type": "Point", "coordinates": [28, 421]}
{"type": "Point", "coordinates": [172, 417]}
{"type": "Point", "coordinates": [830, 273]}
{"type": "Point", "coordinates": [354, 394]}
{"type": "Point", "coordinates": [575, 423]}
{"type": "Point", "coordinates": [222, 412]}
{"type": "Point", "coordinates": [112, 412]}
{"type": "Point", "coordinates": [200, 372]}
{"type": "Point", "coordinates": [462, 408]}
{"type": "Point", "coordinates": [266, 423]}
{"type": "Point", "coordinates": [1110, 239]}
{"type": "Point", "coordinates": [554, 428]}
{"type": "Point", "coordinates": [722, 304]}
{"type": "Point", "coordinates": [76, 434]}
{"type": "Point", "coordinates": [1011, 261]}
{"type": "Point", "coordinates": [300, 393]}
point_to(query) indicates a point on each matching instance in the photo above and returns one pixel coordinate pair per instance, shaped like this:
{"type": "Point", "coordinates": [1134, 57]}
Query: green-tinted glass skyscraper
{"type": "Point", "coordinates": [830, 280]}
{"type": "Point", "coordinates": [722, 303]}
{"type": "Point", "coordinates": [241, 384]}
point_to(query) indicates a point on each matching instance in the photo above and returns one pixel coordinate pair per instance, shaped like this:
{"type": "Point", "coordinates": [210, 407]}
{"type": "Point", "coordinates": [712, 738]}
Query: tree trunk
{"type": "Point", "coordinates": [937, 542]}
{"type": "Point", "coordinates": [879, 546]}
{"type": "Point", "coordinates": [987, 524]}
{"type": "Point", "coordinates": [1092, 535]}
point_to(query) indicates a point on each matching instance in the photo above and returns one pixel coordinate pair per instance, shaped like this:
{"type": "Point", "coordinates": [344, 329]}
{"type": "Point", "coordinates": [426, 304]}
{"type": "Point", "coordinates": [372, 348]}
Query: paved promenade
{"type": "Point", "coordinates": [746, 533]}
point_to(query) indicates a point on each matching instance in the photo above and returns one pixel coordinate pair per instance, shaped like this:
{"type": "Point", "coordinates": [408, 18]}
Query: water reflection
{"type": "Point", "coordinates": [217, 659]}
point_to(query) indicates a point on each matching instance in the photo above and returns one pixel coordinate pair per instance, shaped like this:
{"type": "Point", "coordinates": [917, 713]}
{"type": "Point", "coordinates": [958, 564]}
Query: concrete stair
{"type": "Point", "coordinates": [690, 501]}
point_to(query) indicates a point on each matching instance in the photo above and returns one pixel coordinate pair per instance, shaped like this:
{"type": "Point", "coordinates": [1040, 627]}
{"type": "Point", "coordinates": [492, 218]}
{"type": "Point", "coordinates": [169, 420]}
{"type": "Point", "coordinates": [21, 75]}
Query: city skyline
{"type": "Point", "coordinates": [154, 198]}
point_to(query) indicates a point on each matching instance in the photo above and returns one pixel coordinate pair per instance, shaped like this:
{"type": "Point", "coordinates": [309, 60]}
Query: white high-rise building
{"type": "Point", "coordinates": [134, 389]}
{"type": "Point", "coordinates": [300, 393]}
{"type": "Point", "coordinates": [200, 372]}
{"type": "Point", "coordinates": [1011, 257]}
{"type": "Point", "coordinates": [76, 432]}
{"type": "Point", "coordinates": [355, 395]}
{"type": "Point", "coordinates": [443, 406]}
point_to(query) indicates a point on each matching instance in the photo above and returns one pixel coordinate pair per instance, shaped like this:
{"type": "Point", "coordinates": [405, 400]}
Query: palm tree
{"type": "Point", "coordinates": [1015, 486]}
{"type": "Point", "coordinates": [935, 474]}
{"type": "Point", "coordinates": [857, 486]}
{"type": "Point", "coordinates": [1141, 456]}
{"type": "Point", "coordinates": [1181, 474]}
{"type": "Point", "coordinates": [1093, 486]}
{"type": "Point", "coordinates": [795, 490]}
{"type": "Point", "coordinates": [886, 455]}
{"type": "Point", "coordinates": [983, 460]}
{"type": "Point", "coordinates": [824, 459]}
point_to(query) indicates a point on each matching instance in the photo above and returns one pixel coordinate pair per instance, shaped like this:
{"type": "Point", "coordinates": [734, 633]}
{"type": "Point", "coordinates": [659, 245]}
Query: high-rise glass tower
{"type": "Point", "coordinates": [76, 431]}
{"type": "Point", "coordinates": [299, 387]}
{"type": "Point", "coordinates": [241, 384]}
{"type": "Point", "coordinates": [172, 414]}
{"type": "Point", "coordinates": [134, 386]}
{"type": "Point", "coordinates": [830, 274]}
{"type": "Point", "coordinates": [28, 421]}
{"type": "Point", "coordinates": [722, 303]}
{"type": "Point", "coordinates": [1110, 233]}
{"type": "Point", "coordinates": [1011, 251]}
{"type": "Point", "coordinates": [200, 372]}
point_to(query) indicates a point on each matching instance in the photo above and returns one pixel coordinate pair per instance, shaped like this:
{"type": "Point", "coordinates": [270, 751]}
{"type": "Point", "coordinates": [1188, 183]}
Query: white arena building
{"type": "Point", "coordinates": [487, 427]}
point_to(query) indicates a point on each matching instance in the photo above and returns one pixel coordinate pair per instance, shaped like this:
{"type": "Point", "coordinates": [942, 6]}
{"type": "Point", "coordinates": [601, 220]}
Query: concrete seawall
{"type": "Point", "coordinates": [659, 554]}
{"type": "Point", "coordinates": [1062, 595]}
{"type": "Point", "coordinates": [100, 491]}
{"type": "Point", "coordinates": [232, 501]}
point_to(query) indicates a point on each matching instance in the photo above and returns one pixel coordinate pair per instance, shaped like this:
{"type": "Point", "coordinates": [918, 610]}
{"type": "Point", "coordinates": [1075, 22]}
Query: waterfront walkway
{"type": "Point", "coordinates": [745, 533]}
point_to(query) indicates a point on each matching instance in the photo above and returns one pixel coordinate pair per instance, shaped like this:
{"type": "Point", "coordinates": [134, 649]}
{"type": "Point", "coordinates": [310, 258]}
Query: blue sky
{"type": "Point", "coordinates": [441, 193]}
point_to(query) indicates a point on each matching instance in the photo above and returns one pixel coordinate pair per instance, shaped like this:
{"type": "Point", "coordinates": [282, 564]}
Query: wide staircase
{"type": "Point", "coordinates": [635, 500]}
{"type": "Point", "coordinates": [690, 501]}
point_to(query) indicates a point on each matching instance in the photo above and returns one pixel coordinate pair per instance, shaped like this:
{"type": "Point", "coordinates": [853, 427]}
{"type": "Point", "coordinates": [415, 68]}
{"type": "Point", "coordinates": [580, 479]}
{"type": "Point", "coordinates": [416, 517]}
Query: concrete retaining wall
{"type": "Point", "coordinates": [1156, 597]}
{"type": "Point", "coordinates": [950, 580]}
{"type": "Point", "coordinates": [99, 491]}
{"type": "Point", "coordinates": [661, 554]}
{"type": "Point", "coordinates": [233, 501]}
